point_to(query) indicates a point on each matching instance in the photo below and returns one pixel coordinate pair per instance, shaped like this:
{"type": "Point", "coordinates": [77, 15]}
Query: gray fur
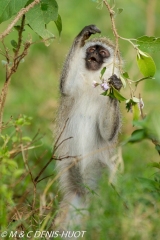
{"type": "Point", "coordinates": [93, 123]}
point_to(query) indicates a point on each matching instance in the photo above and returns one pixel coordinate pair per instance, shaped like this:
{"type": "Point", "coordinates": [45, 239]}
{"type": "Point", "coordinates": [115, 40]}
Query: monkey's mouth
{"type": "Point", "coordinates": [93, 63]}
{"type": "Point", "coordinates": [92, 59]}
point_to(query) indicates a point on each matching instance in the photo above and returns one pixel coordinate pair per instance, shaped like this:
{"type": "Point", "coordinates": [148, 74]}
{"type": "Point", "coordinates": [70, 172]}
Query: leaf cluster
{"type": "Point", "coordinates": [37, 17]}
{"type": "Point", "coordinates": [147, 128]}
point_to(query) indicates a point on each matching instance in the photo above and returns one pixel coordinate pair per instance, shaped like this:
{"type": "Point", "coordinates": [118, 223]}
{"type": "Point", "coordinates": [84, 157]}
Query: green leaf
{"type": "Point", "coordinates": [117, 95]}
{"type": "Point", "coordinates": [123, 81]}
{"type": "Point", "coordinates": [44, 6]}
{"type": "Point", "coordinates": [17, 28]}
{"type": "Point", "coordinates": [23, 120]}
{"type": "Point", "coordinates": [14, 43]}
{"type": "Point", "coordinates": [105, 93]}
{"type": "Point", "coordinates": [146, 39]}
{"type": "Point", "coordinates": [140, 123]}
{"type": "Point", "coordinates": [15, 139]}
{"type": "Point", "coordinates": [50, 10]}
{"type": "Point", "coordinates": [155, 164]}
{"type": "Point", "coordinates": [158, 149]}
{"type": "Point", "coordinates": [137, 136]}
{"type": "Point", "coordinates": [58, 23]}
{"type": "Point", "coordinates": [102, 72]}
{"type": "Point", "coordinates": [119, 10]}
{"type": "Point", "coordinates": [135, 112]}
{"type": "Point", "coordinates": [26, 139]}
{"type": "Point", "coordinates": [100, 5]}
{"type": "Point", "coordinates": [8, 8]}
{"type": "Point", "coordinates": [125, 75]}
{"type": "Point", "coordinates": [149, 43]}
{"type": "Point", "coordinates": [135, 100]}
{"type": "Point", "coordinates": [130, 103]}
{"type": "Point", "coordinates": [146, 64]}
{"type": "Point", "coordinates": [149, 184]}
{"type": "Point", "coordinates": [110, 94]}
{"type": "Point", "coordinates": [38, 17]}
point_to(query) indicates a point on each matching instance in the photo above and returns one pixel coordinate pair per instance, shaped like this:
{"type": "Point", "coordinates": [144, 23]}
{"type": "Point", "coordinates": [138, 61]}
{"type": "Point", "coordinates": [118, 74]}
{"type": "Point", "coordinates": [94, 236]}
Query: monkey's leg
{"type": "Point", "coordinates": [70, 213]}
{"type": "Point", "coordinates": [72, 206]}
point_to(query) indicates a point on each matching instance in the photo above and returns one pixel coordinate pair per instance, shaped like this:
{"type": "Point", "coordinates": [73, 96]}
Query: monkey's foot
{"type": "Point", "coordinates": [115, 82]}
{"type": "Point", "coordinates": [87, 32]}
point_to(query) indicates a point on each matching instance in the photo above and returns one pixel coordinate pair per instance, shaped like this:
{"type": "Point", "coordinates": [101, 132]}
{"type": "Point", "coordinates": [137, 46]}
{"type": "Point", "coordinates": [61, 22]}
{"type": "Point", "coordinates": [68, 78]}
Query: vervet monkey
{"type": "Point", "coordinates": [91, 121]}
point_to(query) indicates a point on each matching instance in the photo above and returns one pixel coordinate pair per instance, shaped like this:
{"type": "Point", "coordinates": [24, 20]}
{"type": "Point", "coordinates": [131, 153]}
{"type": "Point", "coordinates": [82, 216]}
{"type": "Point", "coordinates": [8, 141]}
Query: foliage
{"type": "Point", "coordinates": [147, 68]}
{"type": "Point", "coordinates": [15, 144]}
{"type": "Point", "coordinates": [37, 17]}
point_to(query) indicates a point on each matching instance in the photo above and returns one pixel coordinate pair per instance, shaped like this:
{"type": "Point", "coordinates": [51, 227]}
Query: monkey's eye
{"type": "Point", "coordinates": [91, 50]}
{"type": "Point", "coordinates": [104, 53]}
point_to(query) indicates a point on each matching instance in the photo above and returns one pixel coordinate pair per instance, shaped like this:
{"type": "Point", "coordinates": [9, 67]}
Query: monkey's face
{"type": "Point", "coordinates": [96, 56]}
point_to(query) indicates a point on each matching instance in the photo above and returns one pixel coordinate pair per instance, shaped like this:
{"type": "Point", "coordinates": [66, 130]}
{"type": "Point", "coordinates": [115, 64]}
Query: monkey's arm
{"type": "Point", "coordinates": [109, 121]}
{"type": "Point", "coordinates": [72, 61]}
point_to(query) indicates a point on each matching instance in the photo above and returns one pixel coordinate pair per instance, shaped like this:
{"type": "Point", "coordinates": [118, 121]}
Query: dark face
{"type": "Point", "coordinates": [95, 56]}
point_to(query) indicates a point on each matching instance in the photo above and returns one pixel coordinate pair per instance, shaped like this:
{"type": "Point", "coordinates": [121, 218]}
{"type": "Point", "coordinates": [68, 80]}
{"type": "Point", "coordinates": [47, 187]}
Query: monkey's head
{"type": "Point", "coordinates": [98, 52]}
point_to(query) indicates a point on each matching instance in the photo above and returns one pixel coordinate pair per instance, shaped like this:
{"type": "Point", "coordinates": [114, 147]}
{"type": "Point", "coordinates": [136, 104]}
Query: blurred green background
{"type": "Point", "coordinates": [34, 89]}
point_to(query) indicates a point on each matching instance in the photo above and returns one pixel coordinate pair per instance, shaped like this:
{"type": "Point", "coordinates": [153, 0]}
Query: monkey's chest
{"type": "Point", "coordinates": [83, 129]}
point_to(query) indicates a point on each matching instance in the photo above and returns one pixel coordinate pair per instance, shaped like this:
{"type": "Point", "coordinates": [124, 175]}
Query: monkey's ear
{"type": "Point", "coordinates": [86, 33]}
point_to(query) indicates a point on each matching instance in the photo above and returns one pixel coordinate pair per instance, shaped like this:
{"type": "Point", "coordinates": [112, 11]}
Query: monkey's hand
{"type": "Point", "coordinates": [86, 33]}
{"type": "Point", "coordinates": [115, 82]}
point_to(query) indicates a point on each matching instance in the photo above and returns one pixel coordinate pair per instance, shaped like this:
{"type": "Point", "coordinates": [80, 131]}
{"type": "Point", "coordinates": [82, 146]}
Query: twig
{"type": "Point", "coordinates": [19, 15]}
{"type": "Point", "coordinates": [56, 147]}
{"type": "Point", "coordinates": [30, 173]}
{"type": "Point", "coordinates": [141, 107]}
{"type": "Point", "coordinates": [53, 157]}
{"type": "Point", "coordinates": [20, 37]}
{"type": "Point", "coordinates": [9, 72]}
{"type": "Point", "coordinates": [117, 37]}
{"type": "Point", "coordinates": [117, 52]}
{"type": "Point", "coordinates": [77, 159]}
{"type": "Point", "coordinates": [61, 133]}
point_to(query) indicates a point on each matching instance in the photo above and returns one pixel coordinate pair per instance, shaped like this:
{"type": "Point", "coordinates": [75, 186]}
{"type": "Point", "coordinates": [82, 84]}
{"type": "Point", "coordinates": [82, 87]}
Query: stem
{"type": "Point", "coordinates": [117, 37]}
{"type": "Point", "coordinates": [4, 94]}
{"type": "Point", "coordinates": [141, 107]}
{"type": "Point", "coordinates": [117, 52]}
{"type": "Point", "coordinates": [129, 40]}
{"type": "Point", "coordinates": [20, 37]}
{"type": "Point", "coordinates": [10, 70]}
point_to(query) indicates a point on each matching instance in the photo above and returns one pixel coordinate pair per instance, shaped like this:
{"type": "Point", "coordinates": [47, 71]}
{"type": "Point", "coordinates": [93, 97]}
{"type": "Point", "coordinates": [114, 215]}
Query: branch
{"type": "Point", "coordinates": [53, 157]}
{"type": "Point", "coordinates": [117, 52]}
{"type": "Point", "coordinates": [73, 163]}
{"type": "Point", "coordinates": [30, 173]}
{"type": "Point", "coordinates": [9, 72]}
{"type": "Point", "coordinates": [19, 15]}
{"type": "Point", "coordinates": [20, 37]}
{"type": "Point", "coordinates": [60, 134]}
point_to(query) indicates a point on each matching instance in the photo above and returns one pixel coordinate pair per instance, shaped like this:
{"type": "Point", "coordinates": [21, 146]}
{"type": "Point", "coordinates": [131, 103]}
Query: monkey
{"type": "Point", "coordinates": [87, 123]}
